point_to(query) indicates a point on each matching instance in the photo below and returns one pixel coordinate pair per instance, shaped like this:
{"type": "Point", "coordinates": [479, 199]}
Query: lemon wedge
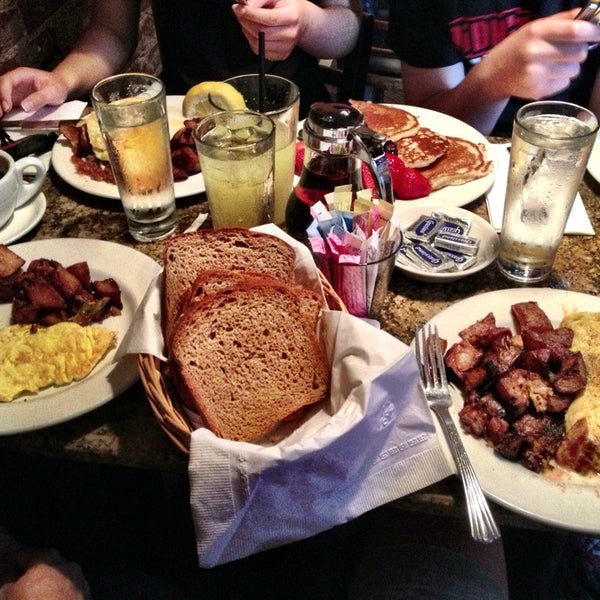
{"type": "Point", "coordinates": [209, 97]}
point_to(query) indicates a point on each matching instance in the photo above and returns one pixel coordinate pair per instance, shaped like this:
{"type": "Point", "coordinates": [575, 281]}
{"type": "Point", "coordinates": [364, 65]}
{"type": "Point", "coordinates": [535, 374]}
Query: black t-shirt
{"type": "Point", "coordinates": [433, 34]}
{"type": "Point", "coordinates": [202, 40]}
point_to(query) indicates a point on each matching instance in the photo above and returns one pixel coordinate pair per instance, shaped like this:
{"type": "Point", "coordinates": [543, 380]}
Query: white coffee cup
{"type": "Point", "coordinates": [20, 181]}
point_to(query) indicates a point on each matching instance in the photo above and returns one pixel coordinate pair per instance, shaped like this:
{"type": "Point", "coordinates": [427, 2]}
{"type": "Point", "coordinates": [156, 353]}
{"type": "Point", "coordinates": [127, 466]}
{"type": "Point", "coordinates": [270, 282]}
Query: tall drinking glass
{"type": "Point", "coordinates": [132, 114]}
{"type": "Point", "coordinates": [550, 148]}
{"type": "Point", "coordinates": [236, 150]}
{"type": "Point", "coordinates": [281, 99]}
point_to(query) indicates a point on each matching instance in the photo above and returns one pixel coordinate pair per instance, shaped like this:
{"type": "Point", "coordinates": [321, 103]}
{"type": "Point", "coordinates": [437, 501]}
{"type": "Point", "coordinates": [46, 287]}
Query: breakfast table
{"type": "Point", "coordinates": [125, 433]}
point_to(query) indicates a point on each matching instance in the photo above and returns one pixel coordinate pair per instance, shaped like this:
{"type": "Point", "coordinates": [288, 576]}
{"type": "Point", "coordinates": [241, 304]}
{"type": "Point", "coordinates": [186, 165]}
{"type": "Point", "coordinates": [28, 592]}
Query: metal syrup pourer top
{"type": "Point", "coordinates": [339, 129]}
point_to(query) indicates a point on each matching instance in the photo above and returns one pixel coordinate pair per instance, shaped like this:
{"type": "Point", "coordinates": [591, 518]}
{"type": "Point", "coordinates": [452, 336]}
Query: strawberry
{"type": "Point", "coordinates": [396, 165]}
{"type": "Point", "coordinates": [299, 162]}
{"type": "Point", "coordinates": [413, 184]}
{"type": "Point", "coordinates": [367, 180]}
{"type": "Point", "coordinates": [408, 183]}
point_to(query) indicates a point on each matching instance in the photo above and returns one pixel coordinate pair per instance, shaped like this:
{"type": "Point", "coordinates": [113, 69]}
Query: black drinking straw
{"type": "Point", "coordinates": [261, 73]}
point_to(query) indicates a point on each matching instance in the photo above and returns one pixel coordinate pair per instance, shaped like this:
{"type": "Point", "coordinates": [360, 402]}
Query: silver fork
{"type": "Point", "coordinates": [435, 388]}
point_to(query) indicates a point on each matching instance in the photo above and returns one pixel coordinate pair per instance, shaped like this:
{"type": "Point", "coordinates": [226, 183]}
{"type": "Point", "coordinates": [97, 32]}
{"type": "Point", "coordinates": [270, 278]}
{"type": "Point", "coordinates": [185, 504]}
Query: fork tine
{"type": "Point", "coordinates": [419, 353]}
{"type": "Point", "coordinates": [440, 359]}
{"type": "Point", "coordinates": [433, 366]}
{"type": "Point", "coordinates": [437, 358]}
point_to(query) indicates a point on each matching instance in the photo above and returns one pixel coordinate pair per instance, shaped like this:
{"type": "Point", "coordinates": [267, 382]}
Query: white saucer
{"type": "Point", "coordinates": [480, 229]}
{"type": "Point", "coordinates": [24, 219]}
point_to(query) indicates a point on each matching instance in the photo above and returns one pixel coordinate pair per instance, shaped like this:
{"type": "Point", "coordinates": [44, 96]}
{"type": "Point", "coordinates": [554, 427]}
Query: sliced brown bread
{"type": "Point", "coordinates": [212, 281]}
{"type": "Point", "coordinates": [245, 359]}
{"type": "Point", "coordinates": [187, 254]}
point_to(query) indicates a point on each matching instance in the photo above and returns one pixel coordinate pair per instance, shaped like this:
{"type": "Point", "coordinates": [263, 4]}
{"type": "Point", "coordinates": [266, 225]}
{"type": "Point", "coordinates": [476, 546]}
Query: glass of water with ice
{"type": "Point", "coordinates": [550, 147]}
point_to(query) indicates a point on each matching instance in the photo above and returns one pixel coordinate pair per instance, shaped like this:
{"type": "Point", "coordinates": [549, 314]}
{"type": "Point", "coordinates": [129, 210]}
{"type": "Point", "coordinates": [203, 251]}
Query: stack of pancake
{"type": "Point", "coordinates": [444, 160]}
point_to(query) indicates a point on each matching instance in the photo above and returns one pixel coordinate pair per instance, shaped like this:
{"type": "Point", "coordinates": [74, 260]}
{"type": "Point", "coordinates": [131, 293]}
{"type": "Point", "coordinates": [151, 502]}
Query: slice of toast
{"type": "Point", "coordinates": [245, 359]}
{"type": "Point", "coordinates": [463, 161]}
{"type": "Point", "coordinates": [212, 281]}
{"type": "Point", "coordinates": [392, 121]}
{"type": "Point", "coordinates": [238, 249]}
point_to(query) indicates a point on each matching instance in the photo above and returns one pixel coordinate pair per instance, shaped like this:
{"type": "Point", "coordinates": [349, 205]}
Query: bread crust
{"type": "Point", "coordinates": [245, 358]}
{"type": "Point", "coordinates": [211, 281]}
{"type": "Point", "coordinates": [237, 249]}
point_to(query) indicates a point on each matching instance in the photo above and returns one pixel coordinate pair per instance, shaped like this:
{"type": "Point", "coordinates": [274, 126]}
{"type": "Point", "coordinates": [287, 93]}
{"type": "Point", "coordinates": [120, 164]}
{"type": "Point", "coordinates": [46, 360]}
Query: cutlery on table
{"type": "Point", "coordinates": [36, 144]}
{"type": "Point", "coordinates": [435, 388]}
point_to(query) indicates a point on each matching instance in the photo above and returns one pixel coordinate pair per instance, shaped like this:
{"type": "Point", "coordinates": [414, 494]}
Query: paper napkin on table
{"type": "Point", "coordinates": [68, 110]}
{"type": "Point", "coordinates": [372, 442]}
{"type": "Point", "coordinates": [578, 222]}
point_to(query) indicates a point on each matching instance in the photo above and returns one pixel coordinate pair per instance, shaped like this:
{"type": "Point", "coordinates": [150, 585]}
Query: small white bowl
{"type": "Point", "coordinates": [480, 229]}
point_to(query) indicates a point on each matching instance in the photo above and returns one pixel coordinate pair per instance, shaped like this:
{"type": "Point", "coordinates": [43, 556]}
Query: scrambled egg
{"type": "Point", "coordinates": [586, 327]}
{"type": "Point", "coordinates": [54, 355]}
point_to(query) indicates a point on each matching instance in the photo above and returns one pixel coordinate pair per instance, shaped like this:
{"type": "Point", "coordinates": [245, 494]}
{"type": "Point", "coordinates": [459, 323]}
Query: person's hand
{"type": "Point", "coordinates": [541, 58]}
{"type": "Point", "coordinates": [283, 22]}
{"type": "Point", "coordinates": [42, 574]}
{"type": "Point", "coordinates": [30, 89]}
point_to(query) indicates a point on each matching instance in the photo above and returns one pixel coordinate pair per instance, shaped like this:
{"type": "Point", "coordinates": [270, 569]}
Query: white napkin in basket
{"type": "Point", "coordinates": [578, 222]}
{"type": "Point", "coordinates": [374, 441]}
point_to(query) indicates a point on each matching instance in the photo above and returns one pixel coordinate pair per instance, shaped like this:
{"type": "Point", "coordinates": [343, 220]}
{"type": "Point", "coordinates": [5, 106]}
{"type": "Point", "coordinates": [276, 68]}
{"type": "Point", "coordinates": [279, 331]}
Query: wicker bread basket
{"type": "Point", "coordinates": [167, 407]}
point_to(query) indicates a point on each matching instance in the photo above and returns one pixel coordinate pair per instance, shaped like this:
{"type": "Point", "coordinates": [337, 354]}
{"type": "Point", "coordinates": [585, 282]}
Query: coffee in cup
{"type": "Point", "coordinates": [20, 181]}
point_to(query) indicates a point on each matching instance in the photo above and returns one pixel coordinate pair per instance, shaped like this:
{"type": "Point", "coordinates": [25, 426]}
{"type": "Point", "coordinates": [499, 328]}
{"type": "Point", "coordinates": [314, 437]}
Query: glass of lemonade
{"type": "Point", "coordinates": [236, 151]}
{"type": "Point", "coordinates": [132, 114]}
{"type": "Point", "coordinates": [281, 101]}
{"type": "Point", "coordinates": [550, 148]}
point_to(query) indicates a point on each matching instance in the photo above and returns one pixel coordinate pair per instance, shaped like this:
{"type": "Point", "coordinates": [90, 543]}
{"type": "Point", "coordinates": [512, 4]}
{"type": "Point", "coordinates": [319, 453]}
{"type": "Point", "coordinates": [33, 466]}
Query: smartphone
{"type": "Point", "coordinates": [590, 12]}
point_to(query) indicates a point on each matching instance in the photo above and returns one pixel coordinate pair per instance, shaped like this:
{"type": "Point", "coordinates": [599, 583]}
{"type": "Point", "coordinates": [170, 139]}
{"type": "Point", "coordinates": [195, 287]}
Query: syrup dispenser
{"type": "Point", "coordinates": [336, 141]}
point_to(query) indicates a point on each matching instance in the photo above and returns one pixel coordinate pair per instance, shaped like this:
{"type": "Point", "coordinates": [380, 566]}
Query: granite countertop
{"type": "Point", "coordinates": [125, 431]}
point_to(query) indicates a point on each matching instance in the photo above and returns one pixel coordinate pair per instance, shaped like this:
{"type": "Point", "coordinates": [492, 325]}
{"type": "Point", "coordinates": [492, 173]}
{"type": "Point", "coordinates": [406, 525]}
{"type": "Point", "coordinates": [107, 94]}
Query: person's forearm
{"type": "Point", "coordinates": [332, 31]}
{"type": "Point", "coordinates": [104, 48]}
{"type": "Point", "coordinates": [475, 99]}
{"type": "Point", "coordinates": [85, 66]}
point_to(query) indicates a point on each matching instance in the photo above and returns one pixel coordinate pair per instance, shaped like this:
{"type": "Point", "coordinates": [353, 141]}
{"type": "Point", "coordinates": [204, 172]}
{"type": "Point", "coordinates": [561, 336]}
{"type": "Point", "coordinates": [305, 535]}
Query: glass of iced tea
{"type": "Point", "coordinates": [550, 147]}
{"type": "Point", "coordinates": [132, 114]}
{"type": "Point", "coordinates": [281, 101]}
{"type": "Point", "coordinates": [236, 151]}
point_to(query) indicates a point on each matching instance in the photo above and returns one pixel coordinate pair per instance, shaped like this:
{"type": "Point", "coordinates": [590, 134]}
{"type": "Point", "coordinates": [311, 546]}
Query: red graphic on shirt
{"type": "Point", "coordinates": [476, 36]}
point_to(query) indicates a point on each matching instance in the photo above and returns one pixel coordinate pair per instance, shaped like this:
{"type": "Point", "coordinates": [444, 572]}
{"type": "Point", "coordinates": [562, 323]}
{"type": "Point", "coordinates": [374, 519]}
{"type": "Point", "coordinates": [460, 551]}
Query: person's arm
{"type": "Point", "coordinates": [328, 29]}
{"type": "Point", "coordinates": [105, 46]}
{"type": "Point", "coordinates": [102, 50]}
{"type": "Point", "coordinates": [536, 61]}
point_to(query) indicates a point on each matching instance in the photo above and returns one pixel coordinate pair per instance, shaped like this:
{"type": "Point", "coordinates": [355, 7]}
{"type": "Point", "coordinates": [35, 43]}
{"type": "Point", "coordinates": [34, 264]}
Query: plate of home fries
{"type": "Point", "coordinates": [22, 411]}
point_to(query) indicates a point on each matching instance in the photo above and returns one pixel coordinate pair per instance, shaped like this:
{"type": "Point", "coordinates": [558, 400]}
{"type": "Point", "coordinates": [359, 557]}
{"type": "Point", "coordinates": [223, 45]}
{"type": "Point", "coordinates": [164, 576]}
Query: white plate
{"type": "Point", "coordinates": [61, 161]}
{"type": "Point", "coordinates": [572, 503]}
{"type": "Point", "coordinates": [108, 379]}
{"type": "Point", "coordinates": [594, 162]}
{"type": "Point", "coordinates": [24, 219]}
{"type": "Point", "coordinates": [453, 195]}
{"type": "Point", "coordinates": [480, 229]}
